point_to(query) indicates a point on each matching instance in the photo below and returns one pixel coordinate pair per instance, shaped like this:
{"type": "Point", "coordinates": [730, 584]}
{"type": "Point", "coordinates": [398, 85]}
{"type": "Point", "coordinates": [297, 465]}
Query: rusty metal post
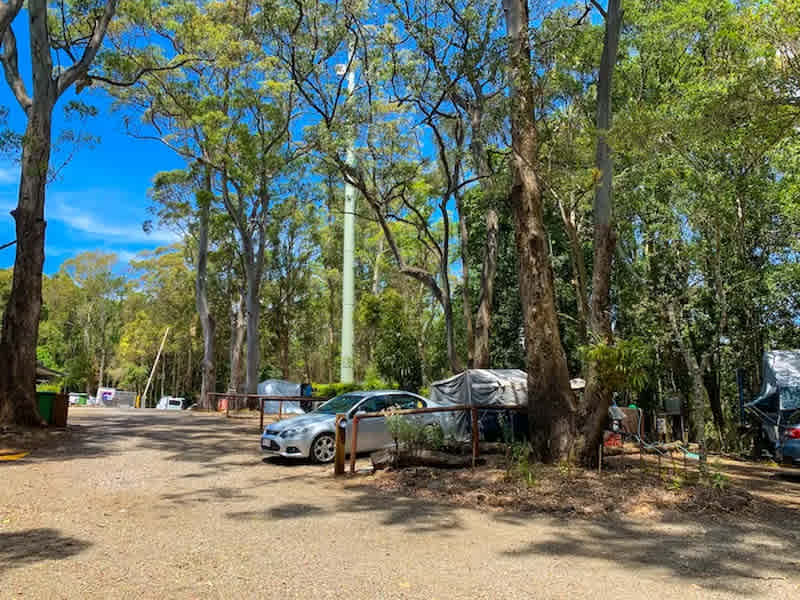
{"type": "Point", "coordinates": [475, 435]}
{"type": "Point", "coordinates": [354, 444]}
{"type": "Point", "coordinates": [338, 461]}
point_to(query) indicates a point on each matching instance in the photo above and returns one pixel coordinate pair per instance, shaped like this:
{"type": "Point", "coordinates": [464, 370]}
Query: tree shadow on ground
{"type": "Point", "coordinates": [726, 556]}
{"type": "Point", "coordinates": [203, 439]}
{"type": "Point", "coordinates": [289, 510]}
{"type": "Point", "coordinates": [415, 516]}
{"type": "Point", "coordinates": [22, 548]}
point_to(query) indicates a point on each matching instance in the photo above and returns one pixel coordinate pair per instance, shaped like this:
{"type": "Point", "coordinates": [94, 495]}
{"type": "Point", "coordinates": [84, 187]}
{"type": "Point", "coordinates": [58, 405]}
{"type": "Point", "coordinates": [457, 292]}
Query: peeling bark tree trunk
{"type": "Point", "coordinates": [597, 397]}
{"type": "Point", "coordinates": [552, 409]}
{"type": "Point", "coordinates": [207, 323]}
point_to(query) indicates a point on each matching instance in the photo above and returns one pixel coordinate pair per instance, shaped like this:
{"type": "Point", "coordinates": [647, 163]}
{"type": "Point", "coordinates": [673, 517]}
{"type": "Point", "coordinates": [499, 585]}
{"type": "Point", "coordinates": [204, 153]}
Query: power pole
{"type": "Point", "coordinates": [348, 280]}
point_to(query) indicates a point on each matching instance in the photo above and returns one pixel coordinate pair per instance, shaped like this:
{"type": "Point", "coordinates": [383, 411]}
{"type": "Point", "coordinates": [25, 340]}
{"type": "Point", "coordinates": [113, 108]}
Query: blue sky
{"type": "Point", "coordinates": [99, 200]}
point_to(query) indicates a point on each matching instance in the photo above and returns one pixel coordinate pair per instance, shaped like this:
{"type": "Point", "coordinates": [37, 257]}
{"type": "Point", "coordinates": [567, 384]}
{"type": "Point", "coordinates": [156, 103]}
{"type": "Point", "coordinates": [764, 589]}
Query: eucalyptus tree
{"type": "Point", "coordinates": [392, 170]}
{"type": "Point", "coordinates": [551, 402]}
{"type": "Point", "coordinates": [230, 110]}
{"type": "Point", "coordinates": [184, 200]}
{"type": "Point", "coordinates": [72, 41]}
{"type": "Point", "coordinates": [458, 83]}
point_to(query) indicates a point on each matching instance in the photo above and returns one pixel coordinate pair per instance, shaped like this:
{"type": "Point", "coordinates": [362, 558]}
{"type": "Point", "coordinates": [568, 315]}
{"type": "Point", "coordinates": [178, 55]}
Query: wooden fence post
{"type": "Point", "coordinates": [338, 463]}
{"type": "Point", "coordinates": [261, 414]}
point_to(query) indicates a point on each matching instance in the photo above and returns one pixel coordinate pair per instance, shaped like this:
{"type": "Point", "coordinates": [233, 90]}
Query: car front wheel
{"type": "Point", "coordinates": [323, 448]}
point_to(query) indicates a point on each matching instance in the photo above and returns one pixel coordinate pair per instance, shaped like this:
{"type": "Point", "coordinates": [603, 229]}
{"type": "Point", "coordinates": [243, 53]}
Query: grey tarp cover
{"type": "Point", "coordinates": [781, 376]}
{"type": "Point", "coordinates": [278, 387]}
{"type": "Point", "coordinates": [480, 387]}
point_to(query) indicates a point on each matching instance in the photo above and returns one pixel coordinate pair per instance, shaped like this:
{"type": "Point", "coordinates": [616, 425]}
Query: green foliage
{"type": "Point", "coordinates": [409, 434]}
{"type": "Point", "coordinates": [717, 479]}
{"type": "Point", "coordinates": [397, 354]}
{"type": "Point", "coordinates": [624, 366]}
{"type": "Point", "coordinates": [520, 464]}
{"type": "Point", "coordinates": [329, 390]}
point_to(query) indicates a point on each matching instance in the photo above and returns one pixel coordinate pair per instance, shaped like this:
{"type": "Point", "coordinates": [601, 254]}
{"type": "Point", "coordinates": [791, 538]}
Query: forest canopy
{"type": "Point", "coordinates": [607, 190]}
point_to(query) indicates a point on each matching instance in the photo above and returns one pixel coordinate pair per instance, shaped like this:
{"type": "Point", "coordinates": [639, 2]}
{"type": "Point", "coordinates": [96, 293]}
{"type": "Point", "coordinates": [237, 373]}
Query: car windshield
{"type": "Point", "coordinates": [340, 404]}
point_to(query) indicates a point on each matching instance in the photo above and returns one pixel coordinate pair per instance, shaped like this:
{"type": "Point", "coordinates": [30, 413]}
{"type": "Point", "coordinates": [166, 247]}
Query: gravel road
{"type": "Point", "coordinates": [149, 504]}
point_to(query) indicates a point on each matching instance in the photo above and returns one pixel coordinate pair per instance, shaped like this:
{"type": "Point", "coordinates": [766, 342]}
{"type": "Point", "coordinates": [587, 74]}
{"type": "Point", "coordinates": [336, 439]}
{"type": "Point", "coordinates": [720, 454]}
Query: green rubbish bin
{"type": "Point", "coordinates": [46, 401]}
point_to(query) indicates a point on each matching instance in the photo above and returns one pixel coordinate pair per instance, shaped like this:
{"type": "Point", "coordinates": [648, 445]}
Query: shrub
{"type": "Point", "coordinates": [412, 435]}
{"type": "Point", "coordinates": [329, 390]}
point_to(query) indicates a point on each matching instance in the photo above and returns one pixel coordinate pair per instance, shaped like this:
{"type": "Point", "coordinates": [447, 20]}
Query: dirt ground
{"type": "Point", "coordinates": [149, 504]}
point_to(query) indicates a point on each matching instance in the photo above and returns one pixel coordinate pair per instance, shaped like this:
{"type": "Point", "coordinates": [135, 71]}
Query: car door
{"type": "Point", "coordinates": [375, 431]}
{"type": "Point", "coordinates": [372, 431]}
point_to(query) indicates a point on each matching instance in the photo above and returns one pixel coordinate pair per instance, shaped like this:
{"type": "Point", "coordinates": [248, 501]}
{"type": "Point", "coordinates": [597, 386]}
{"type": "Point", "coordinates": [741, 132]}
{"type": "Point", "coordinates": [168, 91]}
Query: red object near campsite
{"type": "Point", "coordinates": [612, 439]}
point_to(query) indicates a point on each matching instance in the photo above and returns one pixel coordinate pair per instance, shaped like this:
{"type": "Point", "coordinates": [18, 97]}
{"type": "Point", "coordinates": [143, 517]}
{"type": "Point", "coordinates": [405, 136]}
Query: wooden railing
{"type": "Point", "coordinates": [267, 398]}
{"type": "Point", "coordinates": [339, 467]}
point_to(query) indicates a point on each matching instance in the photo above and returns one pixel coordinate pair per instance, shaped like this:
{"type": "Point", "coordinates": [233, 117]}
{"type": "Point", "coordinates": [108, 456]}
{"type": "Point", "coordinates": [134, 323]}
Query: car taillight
{"type": "Point", "coordinates": [793, 433]}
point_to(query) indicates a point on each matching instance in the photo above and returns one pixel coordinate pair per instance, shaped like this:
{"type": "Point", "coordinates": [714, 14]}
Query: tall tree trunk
{"type": "Point", "coordinates": [482, 353]}
{"type": "Point", "coordinates": [483, 321]}
{"type": "Point", "coordinates": [253, 312]}
{"type": "Point", "coordinates": [238, 332]}
{"type": "Point", "coordinates": [466, 300]}
{"type": "Point", "coordinates": [176, 367]}
{"type": "Point", "coordinates": [376, 269]}
{"type": "Point", "coordinates": [188, 379]}
{"type": "Point", "coordinates": [101, 370]}
{"type": "Point", "coordinates": [21, 318]}
{"type": "Point", "coordinates": [207, 322]}
{"type": "Point", "coordinates": [597, 397]}
{"type": "Point", "coordinates": [699, 393]}
{"type": "Point", "coordinates": [550, 399]}
{"type": "Point", "coordinates": [283, 342]}
{"type": "Point", "coordinates": [579, 277]}
{"type": "Point", "coordinates": [447, 306]}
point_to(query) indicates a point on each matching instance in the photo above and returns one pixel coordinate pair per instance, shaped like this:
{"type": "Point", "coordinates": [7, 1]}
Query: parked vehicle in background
{"type": "Point", "coordinates": [788, 450]}
{"type": "Point", "coordinates": [171, 403]}
{"type": "Point", "coordinates": [775, 413]}
{"type": "Point", "coordinates": [313, 435]}
{"type": "Point", "coordinates": [78, 398]}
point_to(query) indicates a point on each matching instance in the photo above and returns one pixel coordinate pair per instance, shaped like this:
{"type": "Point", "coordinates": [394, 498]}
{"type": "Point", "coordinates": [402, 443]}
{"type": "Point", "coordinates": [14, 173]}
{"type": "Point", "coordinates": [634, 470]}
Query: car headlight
{"type": "Point", "coordinates": [293, 432]}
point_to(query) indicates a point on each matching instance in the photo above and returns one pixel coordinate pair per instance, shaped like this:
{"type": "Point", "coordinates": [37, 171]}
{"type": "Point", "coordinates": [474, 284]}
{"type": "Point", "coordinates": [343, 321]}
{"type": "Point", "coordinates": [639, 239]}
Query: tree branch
{"type": "Point", "coordinates": [599, 8]}
{"type": "Point", "coordinates": [11, 69]}
{"type": "Point", "coordinates": [81, 68]}
{"type": "Point", "coordinates": [145, 71]}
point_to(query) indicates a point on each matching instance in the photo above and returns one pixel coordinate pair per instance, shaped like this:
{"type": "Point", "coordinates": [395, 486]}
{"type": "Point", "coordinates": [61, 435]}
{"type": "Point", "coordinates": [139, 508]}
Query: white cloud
{"type": "Point", "coordinates": [95, 221]}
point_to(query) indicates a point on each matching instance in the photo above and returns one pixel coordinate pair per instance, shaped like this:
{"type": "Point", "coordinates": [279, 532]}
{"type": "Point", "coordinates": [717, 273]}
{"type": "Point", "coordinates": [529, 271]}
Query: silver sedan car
{"type": "Point", "coordinates": [313, 435]}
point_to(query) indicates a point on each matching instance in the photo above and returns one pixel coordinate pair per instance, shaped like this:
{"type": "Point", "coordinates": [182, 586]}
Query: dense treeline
{"type": "Point", "coordinates": [599, 189]}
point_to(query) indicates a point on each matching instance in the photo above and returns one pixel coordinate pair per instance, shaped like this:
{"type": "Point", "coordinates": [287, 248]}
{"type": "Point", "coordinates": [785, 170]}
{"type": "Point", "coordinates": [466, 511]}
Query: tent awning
{"type": "Point", "coordinates": [781, 378]}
